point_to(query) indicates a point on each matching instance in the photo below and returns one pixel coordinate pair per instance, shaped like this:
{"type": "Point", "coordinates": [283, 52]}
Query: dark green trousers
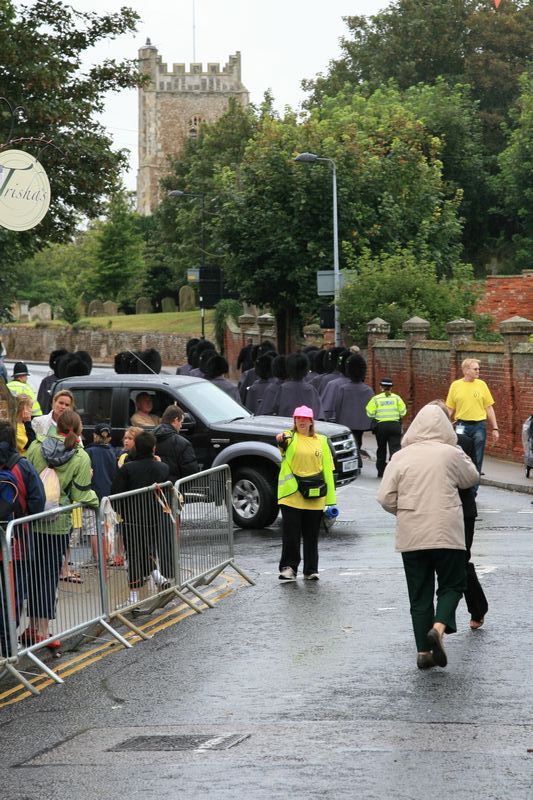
{"type": "Point", "coordinates": [420, 568]}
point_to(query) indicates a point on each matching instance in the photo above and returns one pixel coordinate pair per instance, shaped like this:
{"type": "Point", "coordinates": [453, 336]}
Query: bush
{"type": "Point", "coordinates": [399, 286]}
{"type": "Point", "coordinates": [223, 310]}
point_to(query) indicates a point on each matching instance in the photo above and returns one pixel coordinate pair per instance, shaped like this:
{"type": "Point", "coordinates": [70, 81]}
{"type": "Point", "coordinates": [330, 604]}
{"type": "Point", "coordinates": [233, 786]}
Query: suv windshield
{"type": "Point", "coordinates": [211, 403]}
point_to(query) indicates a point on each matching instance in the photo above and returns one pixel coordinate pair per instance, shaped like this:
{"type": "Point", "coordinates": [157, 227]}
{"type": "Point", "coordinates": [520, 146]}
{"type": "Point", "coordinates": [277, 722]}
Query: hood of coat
{"type": "Point", "coordinates": [5, 452]}
{"type": "Point", "coordinates": [54, 452]}
{"type": "Point", "coordinates": [163, 431]}
{"type": "Point", "coordinates": [430, 424]}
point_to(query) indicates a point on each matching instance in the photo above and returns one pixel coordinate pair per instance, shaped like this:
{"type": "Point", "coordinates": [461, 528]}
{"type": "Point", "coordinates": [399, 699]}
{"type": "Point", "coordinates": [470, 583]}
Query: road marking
{"type": "Point", "coordinates": [485, 570]}
{"type": "Point", "coordinates": [166, 620]}
{"type": "Point", "coordinates": [525, 511]}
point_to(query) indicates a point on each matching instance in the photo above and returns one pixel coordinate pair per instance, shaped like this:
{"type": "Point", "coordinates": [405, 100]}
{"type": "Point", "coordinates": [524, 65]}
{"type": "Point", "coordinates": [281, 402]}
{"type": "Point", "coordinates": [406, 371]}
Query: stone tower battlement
{"type": "Point", "coordinates": [172, 107]}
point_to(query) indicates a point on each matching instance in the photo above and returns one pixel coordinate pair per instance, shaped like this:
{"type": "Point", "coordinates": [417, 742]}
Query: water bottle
{"type": "Point", "coordinates": [332, 512]}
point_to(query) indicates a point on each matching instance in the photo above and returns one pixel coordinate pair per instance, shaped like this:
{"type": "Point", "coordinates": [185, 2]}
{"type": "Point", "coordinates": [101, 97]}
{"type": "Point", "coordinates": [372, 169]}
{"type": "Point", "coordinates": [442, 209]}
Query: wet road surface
{"type": "Point", "coordinates": [317, 682]}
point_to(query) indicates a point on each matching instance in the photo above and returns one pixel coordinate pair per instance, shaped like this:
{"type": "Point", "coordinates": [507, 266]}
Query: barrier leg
{"type": "Point", "coordinates": [198, 594]}
{"type": "Point", "coordinates": [16, 674]}
{"type": "Point", "coordinates": [242, 573]}
{"type": "Point", "coordinates": [117, 635]}
{"type": "Point", "coordinates": [51, 674]}
{"type": "Point", "coordinates": [129, 624]}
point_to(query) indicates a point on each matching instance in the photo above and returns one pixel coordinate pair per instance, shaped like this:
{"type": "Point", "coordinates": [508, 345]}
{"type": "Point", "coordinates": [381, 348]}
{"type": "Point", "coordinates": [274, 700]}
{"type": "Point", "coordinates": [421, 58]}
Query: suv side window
{"type": "Point", "coordinates": [93, 405]}
{"type": "Point", "coordinates": [160, 401]}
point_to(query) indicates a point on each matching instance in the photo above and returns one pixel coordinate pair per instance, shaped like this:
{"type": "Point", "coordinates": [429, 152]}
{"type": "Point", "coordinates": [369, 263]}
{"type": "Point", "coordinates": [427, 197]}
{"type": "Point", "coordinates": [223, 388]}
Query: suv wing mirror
{"type": "Point", "coordinates": [188, 424]}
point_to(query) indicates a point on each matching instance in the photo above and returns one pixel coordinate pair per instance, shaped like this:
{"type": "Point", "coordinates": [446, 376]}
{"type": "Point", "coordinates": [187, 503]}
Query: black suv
{"type": "Point", "coordinates": [221, 432]}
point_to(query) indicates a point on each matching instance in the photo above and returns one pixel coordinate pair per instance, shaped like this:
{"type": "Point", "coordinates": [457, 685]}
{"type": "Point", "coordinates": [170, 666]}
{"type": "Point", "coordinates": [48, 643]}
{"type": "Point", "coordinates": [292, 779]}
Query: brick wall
{"type": "Point", "coordinates": [36, 344]}
{"type": "Point", "coordinates": [423, 372]}
{"type": "Point", "coordinates": [507, 296]}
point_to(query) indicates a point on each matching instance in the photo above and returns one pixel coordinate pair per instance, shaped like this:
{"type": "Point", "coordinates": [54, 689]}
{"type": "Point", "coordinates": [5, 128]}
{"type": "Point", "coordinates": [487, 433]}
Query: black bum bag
{"type": "Point", "coordinates": [312, 487]}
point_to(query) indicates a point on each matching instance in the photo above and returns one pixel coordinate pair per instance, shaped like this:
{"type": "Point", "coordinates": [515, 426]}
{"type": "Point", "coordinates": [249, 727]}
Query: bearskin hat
{"type": "Point", "coordinates": [297, 366]}
{"type": "Point", "coordinates": [215, 367]}
{"type": "Point", "coordinates": [263, 366]}
{"type": "Point", "coordinates": [356, 368]}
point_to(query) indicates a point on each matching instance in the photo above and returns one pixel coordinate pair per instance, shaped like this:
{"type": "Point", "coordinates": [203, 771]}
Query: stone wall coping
{"type": "Point", "coordinates": [416, 324]}
{"type": "Point", "coordinates": [432, 344]}
{"type": "Point", "coordinates": [391, 344]}
{"type": "Point", "coordinates": [523, 348]}
{"type": "Point", "coordinates": [516, 325]}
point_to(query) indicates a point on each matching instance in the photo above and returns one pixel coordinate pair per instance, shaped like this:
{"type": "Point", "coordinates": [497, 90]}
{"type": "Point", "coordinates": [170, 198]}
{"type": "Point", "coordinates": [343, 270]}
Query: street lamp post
{"type": "Point", "coordinates": [311, 158]}
{"type": "Point", "coordinates": [177, 193]}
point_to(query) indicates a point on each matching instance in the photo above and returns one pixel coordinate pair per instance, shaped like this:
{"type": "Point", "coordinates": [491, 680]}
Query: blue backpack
{"type": "Point", "coordinates": [10, 499]}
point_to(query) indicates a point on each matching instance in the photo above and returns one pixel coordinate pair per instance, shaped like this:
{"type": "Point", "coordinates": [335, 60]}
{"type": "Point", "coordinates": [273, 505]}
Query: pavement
{"type": "Point", "coordinates": [501, 474]}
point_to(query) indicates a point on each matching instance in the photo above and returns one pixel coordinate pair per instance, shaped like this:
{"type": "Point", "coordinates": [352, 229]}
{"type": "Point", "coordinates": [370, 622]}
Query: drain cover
{"type": "Point", "coordinates": [180, 742]}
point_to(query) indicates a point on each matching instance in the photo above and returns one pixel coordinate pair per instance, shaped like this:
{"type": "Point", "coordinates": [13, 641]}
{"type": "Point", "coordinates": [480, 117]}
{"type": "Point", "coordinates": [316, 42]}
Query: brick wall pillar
{"type": "Point", "coordinates": [415, 330]}
{"type": "Point", "coordinates": [459, 331]}
{"type": "Point", "coordinates": [267, 328]}
{"type": "Point", "coordinates": [377, 330]}
{"type": "Point", "coordinates": [514, 331]}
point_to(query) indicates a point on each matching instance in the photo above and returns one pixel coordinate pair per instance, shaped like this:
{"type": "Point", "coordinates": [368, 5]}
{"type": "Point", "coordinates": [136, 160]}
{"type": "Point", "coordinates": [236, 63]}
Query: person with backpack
{"type": "Point", "coordinates": [21, 494]}
{"type": "Point", "coordinates": [65, 470]}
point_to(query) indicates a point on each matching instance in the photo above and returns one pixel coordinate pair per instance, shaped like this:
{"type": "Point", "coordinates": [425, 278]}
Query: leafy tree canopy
{"type": "Point", "coordinates": [465, 41]}
{"type": "Point", "coordinates": [42, 46]}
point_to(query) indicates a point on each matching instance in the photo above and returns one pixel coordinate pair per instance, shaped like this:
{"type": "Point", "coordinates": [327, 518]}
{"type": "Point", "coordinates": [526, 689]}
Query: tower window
{"type": "Point", "coordinates": [194, 126]}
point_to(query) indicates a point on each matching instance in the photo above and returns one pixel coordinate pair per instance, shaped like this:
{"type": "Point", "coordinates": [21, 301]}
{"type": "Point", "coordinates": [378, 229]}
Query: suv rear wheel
{"type": "Point", "coordinates": [254, 501]}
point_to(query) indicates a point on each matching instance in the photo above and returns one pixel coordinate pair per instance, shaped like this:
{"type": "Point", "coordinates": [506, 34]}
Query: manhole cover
{"type": "Point", "coordinates": [180, 742]}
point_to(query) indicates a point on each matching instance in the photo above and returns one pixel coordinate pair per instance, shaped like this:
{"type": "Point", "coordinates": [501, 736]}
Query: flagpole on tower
{"type": "Point", "coordinates": [194, 31]}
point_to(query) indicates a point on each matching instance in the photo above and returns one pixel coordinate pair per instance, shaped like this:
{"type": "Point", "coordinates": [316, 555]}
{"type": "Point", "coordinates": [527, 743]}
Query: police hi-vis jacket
{"type": "Point", "coordinates": [386, 407]}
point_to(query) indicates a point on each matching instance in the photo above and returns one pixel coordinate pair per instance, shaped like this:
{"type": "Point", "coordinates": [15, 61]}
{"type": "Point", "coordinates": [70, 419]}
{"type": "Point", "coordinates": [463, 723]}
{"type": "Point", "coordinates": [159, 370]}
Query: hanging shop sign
{"type": "Point", "coordinates": [24, 190]}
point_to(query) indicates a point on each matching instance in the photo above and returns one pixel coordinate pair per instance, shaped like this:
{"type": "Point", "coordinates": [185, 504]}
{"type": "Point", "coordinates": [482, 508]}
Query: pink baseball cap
{"type": "Point", "coordinates": [303, 411]}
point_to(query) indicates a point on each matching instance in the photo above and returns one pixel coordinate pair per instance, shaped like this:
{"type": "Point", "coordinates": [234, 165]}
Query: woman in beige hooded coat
{"type": "Point", "coordinates": [420, 486]}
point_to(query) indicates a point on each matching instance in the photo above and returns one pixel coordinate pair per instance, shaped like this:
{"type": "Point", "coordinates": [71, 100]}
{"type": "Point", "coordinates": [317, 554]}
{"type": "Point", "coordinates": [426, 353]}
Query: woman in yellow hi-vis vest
{"type": "Point", "coordinates": [305, 487]}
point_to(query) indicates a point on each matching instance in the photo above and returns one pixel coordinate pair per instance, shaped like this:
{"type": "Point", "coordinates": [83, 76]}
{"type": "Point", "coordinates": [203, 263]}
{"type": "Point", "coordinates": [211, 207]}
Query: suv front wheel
{"type": "Point", "coordinates": [254, 500]}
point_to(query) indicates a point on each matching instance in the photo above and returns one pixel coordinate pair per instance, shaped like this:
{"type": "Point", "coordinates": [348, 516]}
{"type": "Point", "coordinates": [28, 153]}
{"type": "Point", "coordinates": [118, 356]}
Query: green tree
{"type": "Point", "coordinates": [175, 242]}
{"type": "Point", "coordinates": [400, 285]}
{"type": "Point", "coordinates": [465, 41]}
{"type": "Point", "coordinates": [46, 277]}
{"type": "Point", "coordinates": [515, 182]}
{"type": "Point", "coordinates": [120, 256]}
{"type": "Point", "coordinates": [42, 46]}
{"type": "Point", "coordinates": [275, 223]}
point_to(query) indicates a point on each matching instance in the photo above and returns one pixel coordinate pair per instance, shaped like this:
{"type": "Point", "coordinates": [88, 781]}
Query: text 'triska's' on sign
{"type": "Point", "coordinates": [24, 191]}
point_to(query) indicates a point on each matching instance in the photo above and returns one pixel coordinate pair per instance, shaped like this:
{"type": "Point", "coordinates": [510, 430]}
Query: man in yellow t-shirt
{"type": "Point", "coordinates": [470, 404]}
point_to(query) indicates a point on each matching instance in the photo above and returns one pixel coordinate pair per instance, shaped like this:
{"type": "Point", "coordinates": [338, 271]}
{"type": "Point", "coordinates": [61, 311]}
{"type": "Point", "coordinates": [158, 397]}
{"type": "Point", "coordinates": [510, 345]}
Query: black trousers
{"type": "Point", "coordinates": [475, 599]}
{"type": "Point", "coordinates": [421, 567]}
{"type": "Point", "coordinates": [387, 433]}
{"type": "Point", "coordinates": [300, 524]}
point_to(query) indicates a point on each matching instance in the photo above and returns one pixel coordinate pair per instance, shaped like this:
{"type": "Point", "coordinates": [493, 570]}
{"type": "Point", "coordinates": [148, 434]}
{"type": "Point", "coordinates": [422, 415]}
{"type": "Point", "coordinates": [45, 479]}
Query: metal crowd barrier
{"type": "Point", "coordinates": [51, 585]}
{"type": "Point", "coordinates": [70, 569]}
{"type": "Point", "coordinates": [205, 538]}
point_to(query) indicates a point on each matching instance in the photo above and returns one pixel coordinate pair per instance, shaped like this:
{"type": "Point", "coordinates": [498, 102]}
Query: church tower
{"type": "Point", "coordinates": [172, 107]}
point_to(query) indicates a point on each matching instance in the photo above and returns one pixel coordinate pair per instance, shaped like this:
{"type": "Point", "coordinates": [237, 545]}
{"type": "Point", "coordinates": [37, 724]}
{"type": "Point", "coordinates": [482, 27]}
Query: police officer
{"type": "Point", "coordinates": [19, 385]}
{"type": "Point", "coordinates": [386, 410]}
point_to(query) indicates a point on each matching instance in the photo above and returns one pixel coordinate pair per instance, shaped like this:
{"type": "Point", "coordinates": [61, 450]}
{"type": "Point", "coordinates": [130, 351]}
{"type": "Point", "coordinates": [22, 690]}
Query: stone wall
{"type": "Point", "coordinates": [36, 344]}
{"type": "Point", "coordinates": [506, 296]}
{"type": "Point", "coordinates": [422, 370]}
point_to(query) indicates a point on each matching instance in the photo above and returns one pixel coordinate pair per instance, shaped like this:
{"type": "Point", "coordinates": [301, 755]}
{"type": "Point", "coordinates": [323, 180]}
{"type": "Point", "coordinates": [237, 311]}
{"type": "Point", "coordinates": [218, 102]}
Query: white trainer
{"type": "Point", "coordinates": [312, 577]}
{"type": "Point", "coordinates": [287, 574]}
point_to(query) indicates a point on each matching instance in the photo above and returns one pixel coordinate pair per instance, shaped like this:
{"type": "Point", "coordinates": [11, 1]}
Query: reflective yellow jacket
{"type": "Point", "coordinates": [287, 483]}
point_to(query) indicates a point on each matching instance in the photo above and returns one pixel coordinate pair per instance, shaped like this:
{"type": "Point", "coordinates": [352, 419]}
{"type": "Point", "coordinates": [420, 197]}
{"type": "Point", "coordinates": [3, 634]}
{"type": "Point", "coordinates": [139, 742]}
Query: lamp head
{"type": "Point", "coordinates": [176, 193]}
{"type": "Point", "coordinates": [307, 158]}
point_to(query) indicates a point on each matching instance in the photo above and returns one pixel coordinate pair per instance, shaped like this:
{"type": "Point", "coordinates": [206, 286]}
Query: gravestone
{"type": "Point", "coordinates": [168, 304]}
{"type": "Point", "coordinates": [96, 308]}
{"type": "Point", "coordinates": [143, 306]}
{"type": "Point", "coordinates": [187, 298]}
{"type": "Point", "coordinates": [110, 308]}
{"type": "Point", "coordinates": [58, 312]}
{"type": "Point", "coordinates": [42, 311]}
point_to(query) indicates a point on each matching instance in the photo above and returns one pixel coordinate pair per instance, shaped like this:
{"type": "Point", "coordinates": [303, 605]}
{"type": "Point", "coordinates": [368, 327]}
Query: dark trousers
{"type": "Point", "coordinates": [147, 548]}
{"type": "Point", "coordinates": [420, 568]}
{"type": "Point", "coordinates": [19, 586]}
{"type": "Point", "coordinates": [475, 599]}
{"type": "Point", "coordinates": [387, 433]}
{"type": "Point", "coordinates": [358, 436]}
{"type": "Point", "coordinates": [47, 552]}
{"type": "Point", "coordinates": [300, 524]}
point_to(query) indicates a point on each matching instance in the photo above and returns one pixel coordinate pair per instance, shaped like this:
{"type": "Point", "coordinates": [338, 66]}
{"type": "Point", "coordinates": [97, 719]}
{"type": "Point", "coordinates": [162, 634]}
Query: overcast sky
{"type": "Point", "coordinates": [281, 42]}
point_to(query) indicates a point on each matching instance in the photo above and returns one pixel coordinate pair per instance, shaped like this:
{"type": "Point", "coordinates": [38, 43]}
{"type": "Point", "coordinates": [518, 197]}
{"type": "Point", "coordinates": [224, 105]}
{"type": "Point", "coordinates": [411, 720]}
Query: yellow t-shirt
{"type": "Point", "coordinates": [306, 461]}
{"type": "Point", "coordinates": [469, 399]}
